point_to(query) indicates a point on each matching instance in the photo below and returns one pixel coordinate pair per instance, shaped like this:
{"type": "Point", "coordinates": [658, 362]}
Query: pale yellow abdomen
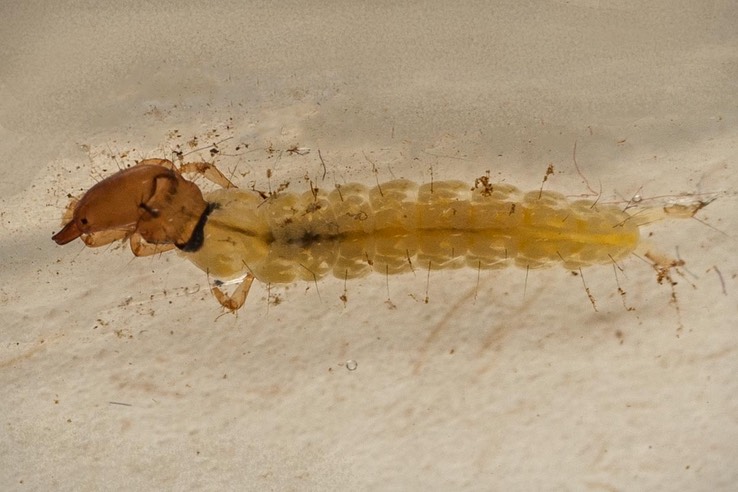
{"type": "Point", "coordinates": [397, 226]}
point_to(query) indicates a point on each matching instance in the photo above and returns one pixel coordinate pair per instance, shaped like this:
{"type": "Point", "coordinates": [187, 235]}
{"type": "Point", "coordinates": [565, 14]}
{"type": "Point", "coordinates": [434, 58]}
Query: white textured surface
{"type": "Point", "coordinates": [507, 391]}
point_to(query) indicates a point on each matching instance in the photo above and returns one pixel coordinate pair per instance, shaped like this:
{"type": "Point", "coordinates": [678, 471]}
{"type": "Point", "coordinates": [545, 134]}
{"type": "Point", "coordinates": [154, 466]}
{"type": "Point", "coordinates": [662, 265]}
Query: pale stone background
{"type": "Point", "coordinates": [120, 374]}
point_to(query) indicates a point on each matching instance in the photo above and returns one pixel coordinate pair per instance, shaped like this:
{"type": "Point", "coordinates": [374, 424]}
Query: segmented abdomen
{"type": "Point", "coordinates": [399, 225]}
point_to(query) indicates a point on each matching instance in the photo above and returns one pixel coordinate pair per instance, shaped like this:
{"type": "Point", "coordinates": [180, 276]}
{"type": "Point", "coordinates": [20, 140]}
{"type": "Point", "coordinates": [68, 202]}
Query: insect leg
{"type": "Point", "coordinates": [234, 301]}
{"type": "Point", "coordinates": [140, 247]}
{"type": "Point", "coordinates": [208, 171]}
{"type": "Point", "coordinates": [101, 238]}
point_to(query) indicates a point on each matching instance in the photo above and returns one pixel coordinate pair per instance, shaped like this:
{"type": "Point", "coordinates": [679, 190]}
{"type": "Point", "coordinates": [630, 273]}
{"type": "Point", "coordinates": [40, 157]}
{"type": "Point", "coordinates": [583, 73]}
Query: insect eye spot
{"type": "Point", "coordinates": [84, 220]}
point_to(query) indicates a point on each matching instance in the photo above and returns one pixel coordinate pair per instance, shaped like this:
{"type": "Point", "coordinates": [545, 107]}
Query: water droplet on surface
{"type": "Point", "coordinates": [637, 198]}
{"type": "Point", "coordinates": [351, 365]}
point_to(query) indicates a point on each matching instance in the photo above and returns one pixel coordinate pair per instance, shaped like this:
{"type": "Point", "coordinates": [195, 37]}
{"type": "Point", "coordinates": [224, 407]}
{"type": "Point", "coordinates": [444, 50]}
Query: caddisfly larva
{"type": "Point", "coordinates": [238, 235]}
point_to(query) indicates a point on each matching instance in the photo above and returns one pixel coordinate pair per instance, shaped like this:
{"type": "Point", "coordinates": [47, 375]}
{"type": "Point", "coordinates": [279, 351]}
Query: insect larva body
{"type": "Point", "coordinates": [354, 230]}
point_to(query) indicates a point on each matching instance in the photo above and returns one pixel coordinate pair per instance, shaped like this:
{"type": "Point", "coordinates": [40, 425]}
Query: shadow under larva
{"type": "Point", "coordinates": [238, 235]}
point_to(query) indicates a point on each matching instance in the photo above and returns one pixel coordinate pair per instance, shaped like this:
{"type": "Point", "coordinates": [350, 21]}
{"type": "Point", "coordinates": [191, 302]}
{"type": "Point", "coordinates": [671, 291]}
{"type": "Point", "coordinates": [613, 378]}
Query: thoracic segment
{"type": "Point", "coordinates": [397, 226]}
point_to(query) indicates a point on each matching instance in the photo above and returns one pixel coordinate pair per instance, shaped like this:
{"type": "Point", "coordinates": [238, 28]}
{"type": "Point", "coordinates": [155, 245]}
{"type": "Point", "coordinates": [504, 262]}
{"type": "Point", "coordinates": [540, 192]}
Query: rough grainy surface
{"type": "Point", "coordinates": [120, 373]}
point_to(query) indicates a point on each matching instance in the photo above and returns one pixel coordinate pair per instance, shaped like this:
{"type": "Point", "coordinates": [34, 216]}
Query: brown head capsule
{"type": "Point", "coordinates": [154, 201]}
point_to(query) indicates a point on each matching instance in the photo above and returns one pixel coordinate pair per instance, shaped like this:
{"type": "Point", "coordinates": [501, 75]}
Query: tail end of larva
{"type": "Point", "coordinates": [676, 210]}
